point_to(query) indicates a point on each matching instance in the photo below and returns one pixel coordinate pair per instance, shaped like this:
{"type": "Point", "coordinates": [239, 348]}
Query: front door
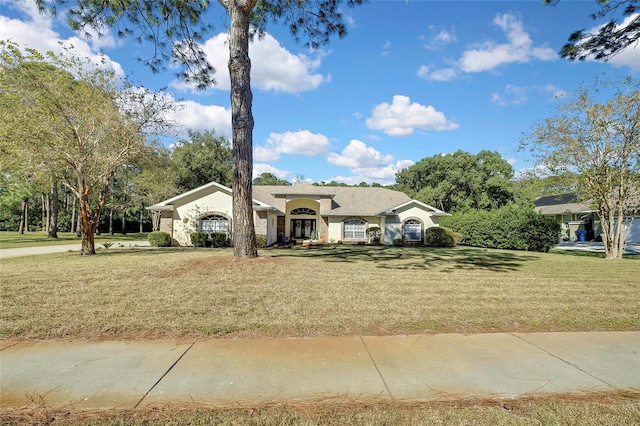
{"type": "Point", "coordinates": [302, 228]}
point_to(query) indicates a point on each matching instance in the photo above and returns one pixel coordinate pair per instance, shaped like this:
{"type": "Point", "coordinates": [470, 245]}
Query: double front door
{"type": "Point", "coordinates": [303, 228]}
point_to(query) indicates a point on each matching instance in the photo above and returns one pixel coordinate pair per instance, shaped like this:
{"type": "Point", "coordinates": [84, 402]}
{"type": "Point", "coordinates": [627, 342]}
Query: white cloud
{"type": "Point", "coordinates": [194, 116]}
{"type": "Point", "coordinates": [439, 40]}
{"type": "Point", "coordinates": [348, 19]}
{"type": "Point", "coordinates": [513, 95]}
{"type": "Point", "coordinates": [259, 168]}
{"type": "Point", "coordinates": [366, 164]}
{"type": "Point", "coordinates": [438, 74]}
{"type": "Point", "coordinates": [385, 175]}
{"type": "Point", "coordinates": [490, 55]}
{"type": "Point", "coordinates": [36, 32]}
{"type": "Point", "coordinates": [302, 142]}
{"type": "Point", "coordinates": [402, 118]}
{"type": "Point", "coordinates": [272, 66]}
{"type": "Point", "coordinates": [386, 48]}
{"type": "Point", "coordinates": [358, 155]}
{"type": "Point", "coordinates": [555, 91]}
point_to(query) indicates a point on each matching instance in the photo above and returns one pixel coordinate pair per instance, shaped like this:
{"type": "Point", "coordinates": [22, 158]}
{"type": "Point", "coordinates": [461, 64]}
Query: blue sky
{"type": "Point", "coordinates": [412, 79]}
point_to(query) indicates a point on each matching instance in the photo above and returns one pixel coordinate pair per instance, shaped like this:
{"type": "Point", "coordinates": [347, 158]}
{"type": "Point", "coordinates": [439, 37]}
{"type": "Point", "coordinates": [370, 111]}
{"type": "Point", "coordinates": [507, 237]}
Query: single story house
{"type": "Point", "coordinates": [301, 212]}
{"type": "Point", "coordinates": [574, 215]}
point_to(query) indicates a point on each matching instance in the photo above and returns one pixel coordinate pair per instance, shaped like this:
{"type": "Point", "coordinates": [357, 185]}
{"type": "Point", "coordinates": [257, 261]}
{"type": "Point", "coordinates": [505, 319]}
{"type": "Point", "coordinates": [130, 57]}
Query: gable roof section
{"type": "Point", "coordinates": [345, 200]}
{"type": "Point", "coordinates": [433, 210]}
{"type": "Point", "coordinates": [207, 188]}
{"type": "Point", "coordinates": [561, 204]}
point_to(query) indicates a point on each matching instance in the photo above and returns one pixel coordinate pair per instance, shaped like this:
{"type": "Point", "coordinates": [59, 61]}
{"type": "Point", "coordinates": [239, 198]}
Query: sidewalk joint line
{"type": "Point", "coordinates": [384, 382]}
{"type": "Point", "coordinates": [163, 376]}
{"type": "Point", "coordinates": [565, 361]}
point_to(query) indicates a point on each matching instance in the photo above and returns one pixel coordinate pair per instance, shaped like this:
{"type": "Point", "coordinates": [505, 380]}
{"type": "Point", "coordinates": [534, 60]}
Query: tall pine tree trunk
{"type": "Point", "coordinates": [244, 237]}
{"type": "Point", "coordinates": [54, 206]}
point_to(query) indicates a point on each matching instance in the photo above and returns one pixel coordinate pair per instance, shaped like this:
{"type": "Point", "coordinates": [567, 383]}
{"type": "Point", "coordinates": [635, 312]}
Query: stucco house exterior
{"type": "Point", "coordinates": [574, 215]}
{"type": "Point", "coordinates": [301, 212]}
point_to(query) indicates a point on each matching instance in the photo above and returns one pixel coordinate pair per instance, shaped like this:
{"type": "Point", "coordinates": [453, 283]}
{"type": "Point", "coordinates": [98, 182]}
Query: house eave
{"type": "Point", "coordinates": [161, 208]}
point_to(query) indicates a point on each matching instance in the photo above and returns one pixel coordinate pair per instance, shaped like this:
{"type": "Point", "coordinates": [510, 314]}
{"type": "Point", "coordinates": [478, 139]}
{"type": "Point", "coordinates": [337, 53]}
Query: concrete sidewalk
{"type": "Point", "coordinates": [593, 246]}
{"type": "Point", "coordinates": [101, 375]}
{"type": "Point", "coordinates": [30, 251]}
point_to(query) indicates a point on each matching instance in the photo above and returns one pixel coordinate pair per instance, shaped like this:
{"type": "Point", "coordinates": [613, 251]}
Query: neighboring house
{"type": "Point", "coordinates": [574, 215]}
{"type": "Point", "coordinates": [301, 212]}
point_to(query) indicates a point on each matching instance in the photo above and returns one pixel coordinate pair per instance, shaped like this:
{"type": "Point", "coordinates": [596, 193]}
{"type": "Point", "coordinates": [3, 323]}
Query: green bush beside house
{"type": "Point", "coordinates": [159, 239]}
{"type": "Point", "coordinates": [440, 236]}
{"type": "Point", "coordinates": [513, 227]}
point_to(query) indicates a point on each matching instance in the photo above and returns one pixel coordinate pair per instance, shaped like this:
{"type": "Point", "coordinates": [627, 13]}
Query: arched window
{"type": "Point", "coordinates": [214, 223]}
{"type": "Point", "coordinates": [412, 230]}
{"type": "Point", "coordinates": [303, 211]}
{"type": "Point", "coordinates": [353, 229]}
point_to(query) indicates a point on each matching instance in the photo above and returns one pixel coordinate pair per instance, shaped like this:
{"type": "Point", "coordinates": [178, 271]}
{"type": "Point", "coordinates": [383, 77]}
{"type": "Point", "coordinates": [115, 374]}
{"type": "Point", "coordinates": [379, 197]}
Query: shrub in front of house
{"type": "Point", "coordinates": [261, 240]}
{"type": "Point", "coordinates": [542, 232]}
{"type": "Point", "coordinates": [374, 233]}
{"type": "Point", "coordinates": [398, 242]}
{"type": "Point", "coordinates": [439, 236]}
{"type": "Point", "coordinates": [199, 239]}
{"type": "Point", "coordinates": [218, 239]}
{"type": "Point", "coordinates": [513, 227]}
{"type": "Point", "coordinates": [159, 239]}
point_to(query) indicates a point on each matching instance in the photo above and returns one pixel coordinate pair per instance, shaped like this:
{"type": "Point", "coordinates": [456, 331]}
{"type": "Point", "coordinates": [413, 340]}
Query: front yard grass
{"type": "Point", "coordinates": [620, 409]}
{"type": "Point", "coordinates": [335, 290]}
{"type": "Point", "coordinates": [9, 239]}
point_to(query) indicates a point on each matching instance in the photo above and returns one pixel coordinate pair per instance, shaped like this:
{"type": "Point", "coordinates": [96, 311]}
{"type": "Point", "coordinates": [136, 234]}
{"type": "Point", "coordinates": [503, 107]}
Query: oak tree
{"type": "Point", "coordinates": [201, 159]}
{"type": "Point", "coordinates": [598, 139]}
{"type": "Point", "coordinates": [459, 181]}
{"type": "Point", "coordinates": [268, 178]}
{"type": "Point", "coordinates": [75, 120]}
{"type": "Point", "coordinates": [175, 27]}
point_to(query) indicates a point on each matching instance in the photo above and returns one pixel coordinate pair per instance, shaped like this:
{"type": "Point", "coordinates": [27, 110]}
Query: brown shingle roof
{"type": "Point", "coordinates": [345, 201]}
{"type": "Point", "coordinates": [560, 204]}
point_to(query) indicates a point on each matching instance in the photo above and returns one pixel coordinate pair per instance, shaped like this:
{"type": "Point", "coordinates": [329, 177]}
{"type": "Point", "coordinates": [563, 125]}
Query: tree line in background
{"type": "Point", "coordinates": [80, 152]}
{"type": "Point", "coordinates": [591, 148]}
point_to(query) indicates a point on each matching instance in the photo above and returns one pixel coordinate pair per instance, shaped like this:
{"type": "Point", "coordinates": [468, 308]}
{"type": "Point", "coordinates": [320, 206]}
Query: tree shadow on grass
{"type": "Point", "coordinates": [151, 251]}
{"type": "Point", "coordinates": [413, 258]}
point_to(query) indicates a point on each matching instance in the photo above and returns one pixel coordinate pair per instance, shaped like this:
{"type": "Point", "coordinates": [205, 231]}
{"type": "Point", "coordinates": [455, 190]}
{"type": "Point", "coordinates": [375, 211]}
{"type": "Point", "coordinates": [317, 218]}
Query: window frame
{"type": "Point", "coordinates": [215, 219]}
{"type": "Point", "coordinates": [355, 233]}
{"type": "Point", "coordinates": [419, 232]}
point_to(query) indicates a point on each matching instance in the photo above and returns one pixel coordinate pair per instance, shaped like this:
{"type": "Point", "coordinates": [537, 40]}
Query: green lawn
{"type": "Point", "coordinates": [10, 239]}
{"type": "Point", "coordinates": [620, 409]}
{"type": "Point", "coordinates": [179, 293]}
{"type": "Point", "coordinates": [335, 290]}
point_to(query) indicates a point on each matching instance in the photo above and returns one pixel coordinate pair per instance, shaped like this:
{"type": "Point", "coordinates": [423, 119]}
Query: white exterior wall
{"type": "Point", "coordinates": [186, 215]}
{"type": "Point", "coordinates": [417, 213]}
{"type": "Point", "coordinates": [335, 225]}
{"type": "Point", "coordinates": [266, 224]}
{"type": "Point", "coordinates": [394, 227]}
{"type": "Point", "coordinates": [272, 228]}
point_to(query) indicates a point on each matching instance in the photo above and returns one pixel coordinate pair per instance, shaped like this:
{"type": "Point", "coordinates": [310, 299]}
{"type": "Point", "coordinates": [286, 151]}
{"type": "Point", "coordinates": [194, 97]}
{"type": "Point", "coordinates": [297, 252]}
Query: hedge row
{"type": "Point", "coordinates": [440, 236]}
{"type": "Point", "coordinates": [513, 227]}
{"type": "Point", "coordinates": [202, 239]}
{"type": "Point", "coordinates": [159, 239]}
